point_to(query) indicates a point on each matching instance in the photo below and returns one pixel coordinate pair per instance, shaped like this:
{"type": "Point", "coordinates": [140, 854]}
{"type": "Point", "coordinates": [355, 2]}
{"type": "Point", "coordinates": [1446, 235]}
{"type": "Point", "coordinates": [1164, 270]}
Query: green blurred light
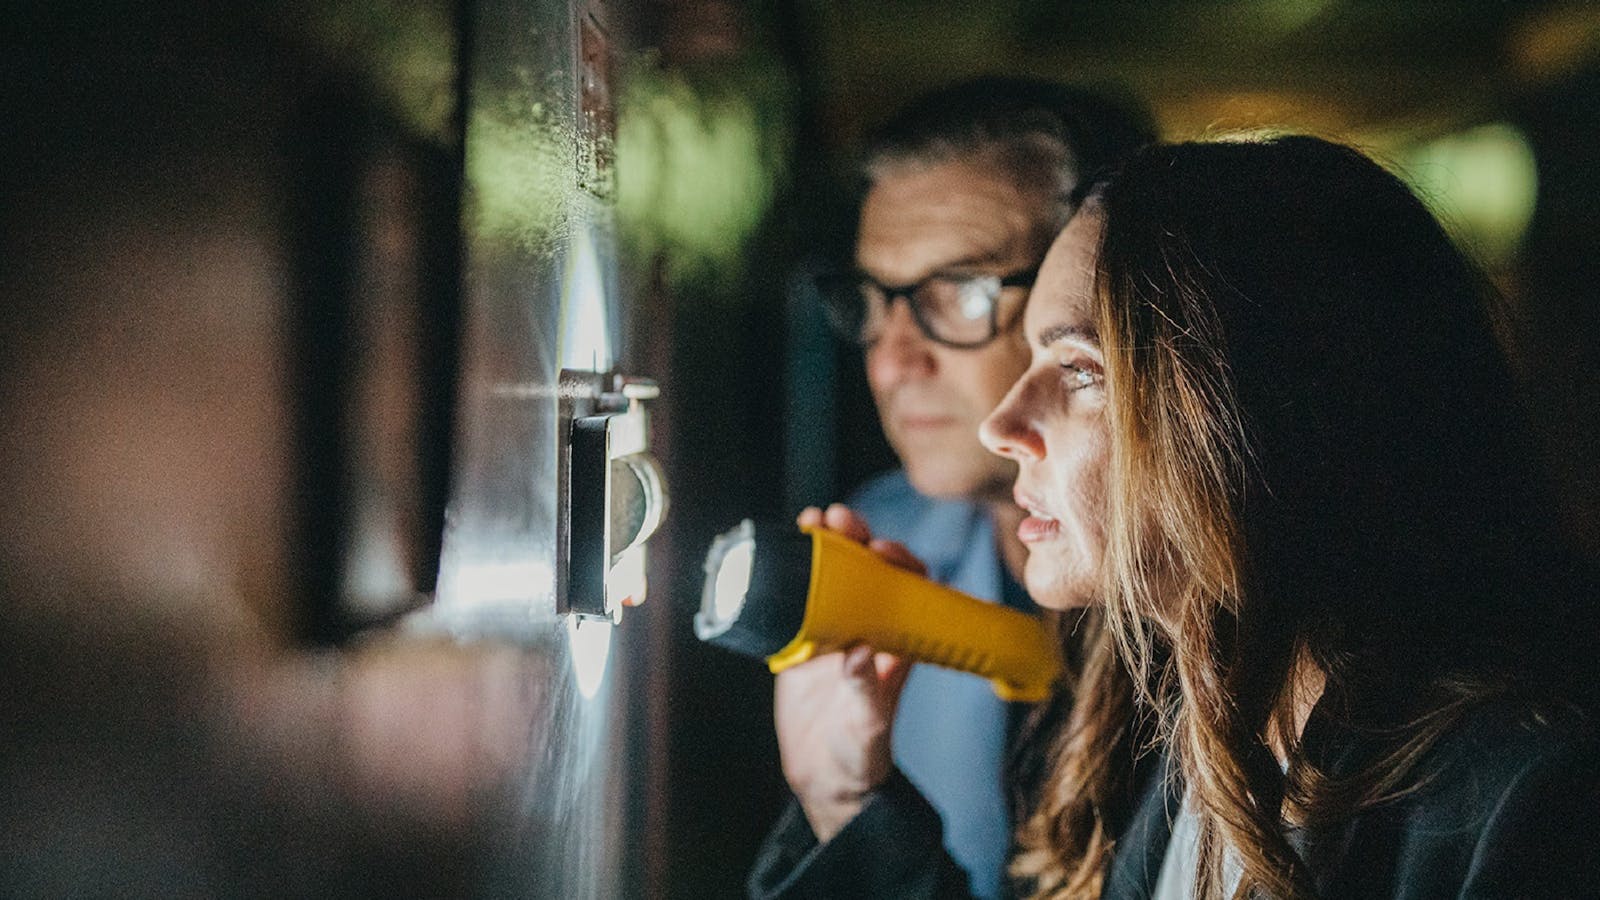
{"type": "Point", "coordinates": [696, 170]}
{"type": "Point", "coordinates": [1482, 183]}
{"type": "Point", "coordinates": [406, 49]}
{"type": "Point", "coordinates": [1290, 15]}
{"type": "Point", "coordinates": [521, 175]}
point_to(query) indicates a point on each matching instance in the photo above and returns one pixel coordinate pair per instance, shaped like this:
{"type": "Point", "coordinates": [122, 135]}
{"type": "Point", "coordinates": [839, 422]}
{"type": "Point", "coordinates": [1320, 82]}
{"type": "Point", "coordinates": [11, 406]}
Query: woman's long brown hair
{"type": "Point", "coordinates": [1088, 738]}
{"type": "Point", "coordinates": [1319, 473]}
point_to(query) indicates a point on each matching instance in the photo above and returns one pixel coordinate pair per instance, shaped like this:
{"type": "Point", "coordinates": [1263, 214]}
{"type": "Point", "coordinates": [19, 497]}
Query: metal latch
{"type": "Point", "coordinates": [612, 495]}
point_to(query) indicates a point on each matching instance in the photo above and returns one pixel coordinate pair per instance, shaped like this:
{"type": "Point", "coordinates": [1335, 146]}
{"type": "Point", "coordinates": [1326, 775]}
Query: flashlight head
{"type": "Point", "coordinates": [754, 598]}
{"type": "Point", "coordinates": [783, 595]}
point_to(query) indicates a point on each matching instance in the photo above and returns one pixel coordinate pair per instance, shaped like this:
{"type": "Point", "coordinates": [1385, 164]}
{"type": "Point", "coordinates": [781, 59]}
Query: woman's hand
{"type": "Point", "coordinates": [834, 712]}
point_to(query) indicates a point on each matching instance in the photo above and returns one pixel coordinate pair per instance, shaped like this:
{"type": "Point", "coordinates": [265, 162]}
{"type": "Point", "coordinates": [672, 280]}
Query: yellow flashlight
{"type": "Point", "coordinates": [753, 603]}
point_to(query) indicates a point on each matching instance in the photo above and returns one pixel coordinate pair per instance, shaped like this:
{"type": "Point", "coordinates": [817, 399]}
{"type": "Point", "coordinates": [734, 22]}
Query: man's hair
{"type": "Point", "coordinates": [1032, 130]}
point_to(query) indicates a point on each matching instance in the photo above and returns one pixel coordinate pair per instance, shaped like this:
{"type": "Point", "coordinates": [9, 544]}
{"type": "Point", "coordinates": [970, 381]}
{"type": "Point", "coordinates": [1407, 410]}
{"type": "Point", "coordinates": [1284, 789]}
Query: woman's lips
{"type": "Point", "coordinates": [1037, 528]}
{"type": "Point", "coordinates": [1038, 525]}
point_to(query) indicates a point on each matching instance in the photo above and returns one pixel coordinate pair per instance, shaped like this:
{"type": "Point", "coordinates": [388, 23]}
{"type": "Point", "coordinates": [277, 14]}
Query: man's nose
{"type": "Point", "coordinates": [901, 351]}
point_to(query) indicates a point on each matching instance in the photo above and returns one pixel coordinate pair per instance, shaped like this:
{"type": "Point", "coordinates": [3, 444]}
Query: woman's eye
{"type": "Point", "coordinates": [1078, 377]}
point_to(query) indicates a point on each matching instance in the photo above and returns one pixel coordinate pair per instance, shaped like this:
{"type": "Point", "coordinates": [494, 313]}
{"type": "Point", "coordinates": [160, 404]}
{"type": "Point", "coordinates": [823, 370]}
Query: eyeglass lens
{"type": "Point", "coordinates": [949, 309]}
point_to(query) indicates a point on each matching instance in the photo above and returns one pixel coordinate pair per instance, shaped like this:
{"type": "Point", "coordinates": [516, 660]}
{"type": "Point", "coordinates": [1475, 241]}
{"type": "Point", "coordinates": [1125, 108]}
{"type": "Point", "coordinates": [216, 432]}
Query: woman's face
{"type": "Point", "coordinates": [1053, 424]}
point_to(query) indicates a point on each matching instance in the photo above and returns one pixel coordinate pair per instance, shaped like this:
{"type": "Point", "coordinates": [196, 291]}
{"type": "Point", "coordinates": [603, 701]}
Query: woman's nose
{"type": "Point", "coordinates": [1009, 430]}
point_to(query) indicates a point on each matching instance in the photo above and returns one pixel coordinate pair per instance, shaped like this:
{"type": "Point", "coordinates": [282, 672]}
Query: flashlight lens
{"type": "Point", "coordinates": [753, 600]}
{"type": "Point", "coordinates": [733, 580]}
{"type": "Point", "coordinates": [729, 567]}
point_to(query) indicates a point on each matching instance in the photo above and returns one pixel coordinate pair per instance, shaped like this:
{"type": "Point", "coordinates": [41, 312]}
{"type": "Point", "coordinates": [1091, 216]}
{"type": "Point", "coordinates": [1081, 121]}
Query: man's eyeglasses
{"type": "Point", "coordinates": [955, 310]}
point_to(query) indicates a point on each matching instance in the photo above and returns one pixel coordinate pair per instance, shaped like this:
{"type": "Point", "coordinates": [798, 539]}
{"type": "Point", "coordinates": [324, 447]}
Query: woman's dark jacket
{"type": "Point", "coordinates": [1508, 806]}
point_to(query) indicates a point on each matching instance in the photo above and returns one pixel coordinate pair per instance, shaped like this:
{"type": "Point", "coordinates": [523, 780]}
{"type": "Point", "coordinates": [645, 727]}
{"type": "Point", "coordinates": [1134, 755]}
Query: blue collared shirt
{"type": "Point", "coordinates": [950, 732]}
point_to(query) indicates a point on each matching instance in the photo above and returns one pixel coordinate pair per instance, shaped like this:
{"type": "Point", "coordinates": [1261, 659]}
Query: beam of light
{"type": "Point", "coordinates": [589, 644]}
{"type": "Point", "coordinates": [585, 331]}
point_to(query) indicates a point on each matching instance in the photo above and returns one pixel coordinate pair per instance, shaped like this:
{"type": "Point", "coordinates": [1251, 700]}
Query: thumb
{"type": "Point", "coordinates": [859, 668]}
{"type": "Point", "coordinates": [892, 672]}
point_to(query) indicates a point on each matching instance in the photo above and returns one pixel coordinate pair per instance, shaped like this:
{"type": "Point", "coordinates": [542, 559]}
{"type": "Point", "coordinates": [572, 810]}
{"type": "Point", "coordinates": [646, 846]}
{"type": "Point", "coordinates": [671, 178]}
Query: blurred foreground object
{"type": "Point", "coordinates": [241, 380]}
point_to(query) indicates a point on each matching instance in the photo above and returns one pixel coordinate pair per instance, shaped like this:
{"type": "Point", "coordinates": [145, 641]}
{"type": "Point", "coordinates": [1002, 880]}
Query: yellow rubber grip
{"type": "Point", "coordinates": [856, 597]}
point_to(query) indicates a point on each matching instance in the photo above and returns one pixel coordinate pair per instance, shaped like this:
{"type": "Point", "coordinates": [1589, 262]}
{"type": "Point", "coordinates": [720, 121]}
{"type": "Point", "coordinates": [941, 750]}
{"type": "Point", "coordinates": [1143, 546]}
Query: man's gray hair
{"type": "Point", "coordinates": [1040, 133]}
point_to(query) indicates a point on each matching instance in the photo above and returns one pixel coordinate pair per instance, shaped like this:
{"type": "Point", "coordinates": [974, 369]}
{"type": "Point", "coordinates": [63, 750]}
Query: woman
{"type": "Point", "coordinates": [1267, 429]}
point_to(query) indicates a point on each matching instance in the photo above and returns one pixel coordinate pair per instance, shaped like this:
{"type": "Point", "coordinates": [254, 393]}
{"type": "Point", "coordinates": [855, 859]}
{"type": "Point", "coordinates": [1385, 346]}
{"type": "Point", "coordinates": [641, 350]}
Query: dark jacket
{"type": "Point", "coordinates": [1508, 806]}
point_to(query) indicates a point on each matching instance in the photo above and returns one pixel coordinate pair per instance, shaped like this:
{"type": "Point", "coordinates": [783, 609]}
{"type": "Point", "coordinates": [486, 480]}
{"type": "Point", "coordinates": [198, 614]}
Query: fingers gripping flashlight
{"type": "Point", "coordinates": [785, 596]}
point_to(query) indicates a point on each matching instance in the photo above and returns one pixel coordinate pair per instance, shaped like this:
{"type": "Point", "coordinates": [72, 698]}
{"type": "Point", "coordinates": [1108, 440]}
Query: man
{"type": "Point", "coordinates": [966, 188]}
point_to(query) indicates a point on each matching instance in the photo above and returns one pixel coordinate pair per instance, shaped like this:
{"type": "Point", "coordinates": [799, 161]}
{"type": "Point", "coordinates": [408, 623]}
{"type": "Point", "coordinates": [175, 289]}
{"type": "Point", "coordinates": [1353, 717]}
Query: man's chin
{"type": "Point", "coordinates": [944, 483]}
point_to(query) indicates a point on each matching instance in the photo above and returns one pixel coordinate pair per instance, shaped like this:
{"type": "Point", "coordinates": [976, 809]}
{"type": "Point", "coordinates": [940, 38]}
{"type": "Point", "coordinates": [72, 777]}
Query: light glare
{"type": "Point", "coordinates": [733, 580]}
{"type": "Point", "coordinates": [586, 342]}
{"type": "Point", "coordinates": [589, 643]}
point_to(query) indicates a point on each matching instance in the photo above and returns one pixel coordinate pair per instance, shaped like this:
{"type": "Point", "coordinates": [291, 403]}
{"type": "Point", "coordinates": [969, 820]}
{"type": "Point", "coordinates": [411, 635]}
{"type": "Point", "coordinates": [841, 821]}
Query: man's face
{"type": "Point", "coordinates": [959, 218]}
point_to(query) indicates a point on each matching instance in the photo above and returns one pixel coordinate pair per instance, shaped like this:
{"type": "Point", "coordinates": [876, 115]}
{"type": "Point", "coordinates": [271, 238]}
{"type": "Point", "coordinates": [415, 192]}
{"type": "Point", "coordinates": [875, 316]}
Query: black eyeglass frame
{"type": "Point", "coordinates": [832, 287]}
